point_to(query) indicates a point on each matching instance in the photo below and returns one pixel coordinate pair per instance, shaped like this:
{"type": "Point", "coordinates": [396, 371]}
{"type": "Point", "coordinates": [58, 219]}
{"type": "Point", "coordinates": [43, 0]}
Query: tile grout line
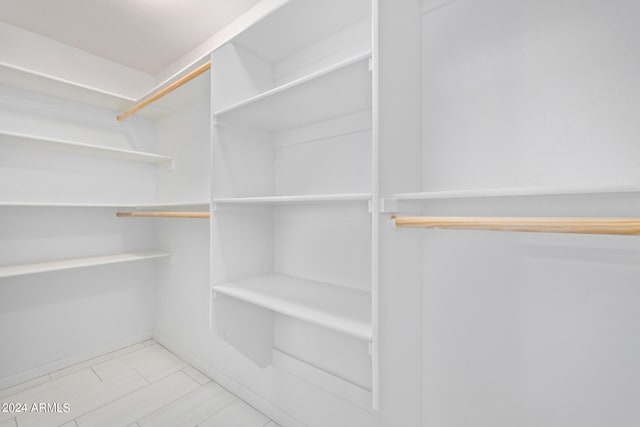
{"type": "Point", "coordinates": [96, 374]}
{"type": "Point", "coordinates": [83, 364]}
{"type": "Point", "coordinates": [145, 378]}
{"type": "Point", "coordinates": [111, 401]}
{"type": "Point", "coordinates": [114, 400]}
{"type": "Point", "coordinates": [187, 374]}
{"type": "Point", "coordinates": [236, 398]}
{"type": "Point", "coordinates": [174, 400]}
{"type": "Point", "coordinates": [169, 374]}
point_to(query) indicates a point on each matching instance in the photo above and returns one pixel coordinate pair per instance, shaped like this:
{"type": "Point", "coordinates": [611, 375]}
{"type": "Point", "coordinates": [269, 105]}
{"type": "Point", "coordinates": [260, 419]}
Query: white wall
{"type": "Point", "coordinates": [51, 320]}
{"type": "Point", "coordinates": [530, 93]}
{"type": "Point", "coordinates": [522, 329]}
{"type": "Point", "coordinates": [184, 136]}
{"type": "Point", "coordinates": [40, 55]}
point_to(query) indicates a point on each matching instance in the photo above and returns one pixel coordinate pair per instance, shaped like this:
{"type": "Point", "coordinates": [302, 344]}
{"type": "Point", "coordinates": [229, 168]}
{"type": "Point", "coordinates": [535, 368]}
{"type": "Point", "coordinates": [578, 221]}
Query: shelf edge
{"type": "Point", "coordinates": [283, 88]}
{"type": "Point", "coordinates": [67, 264]}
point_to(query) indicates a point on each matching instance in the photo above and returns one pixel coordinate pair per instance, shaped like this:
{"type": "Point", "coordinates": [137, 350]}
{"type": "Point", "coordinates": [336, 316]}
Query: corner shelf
{"type": "Point", "coordinates": [311, 198]}
{"type": "Point", "coordinates": [515, 192]}
{"type": "Point", "coordinates": [339, 308]}
{"type": "Point", "coordinates": [80, 147]}
{"type": "Point", "coordinates": [160, 205]}
{"type": "Point", "coordinates": [151, 205]}
{"type": "Point", "coordinates": [337, 90]}
{"type": "Point", "coordinates": [298, 24]}
{"type": "Point", "coordinates": [73, 263]}
{"type": "Point", "coordinates": [22, 78]}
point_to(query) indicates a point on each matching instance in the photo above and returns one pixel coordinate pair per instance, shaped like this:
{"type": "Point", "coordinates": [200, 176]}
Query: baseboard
{"type": "Point", "coordinates": [69, 361]}
{"type": "Point", "coordinates": [240, 390]}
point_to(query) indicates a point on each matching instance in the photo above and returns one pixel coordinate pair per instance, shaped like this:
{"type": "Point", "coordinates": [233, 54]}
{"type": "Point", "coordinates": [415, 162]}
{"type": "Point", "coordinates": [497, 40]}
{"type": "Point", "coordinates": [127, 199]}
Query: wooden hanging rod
{"type": "Point", "coordinates": [624, 226]}
{"type": "Point", "coordinates": [173, 86]}
{"type": "Point", "coordinates": [164, 214]}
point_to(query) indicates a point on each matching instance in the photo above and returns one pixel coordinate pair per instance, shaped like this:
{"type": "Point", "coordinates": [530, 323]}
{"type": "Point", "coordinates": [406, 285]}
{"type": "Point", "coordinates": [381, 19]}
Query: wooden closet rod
{"type": "Point", "coordinates": [173, 86]}
{"type": "Point", "coordinates": [626, 226]}
{"type": "Point", "coordinates": [164, 214]}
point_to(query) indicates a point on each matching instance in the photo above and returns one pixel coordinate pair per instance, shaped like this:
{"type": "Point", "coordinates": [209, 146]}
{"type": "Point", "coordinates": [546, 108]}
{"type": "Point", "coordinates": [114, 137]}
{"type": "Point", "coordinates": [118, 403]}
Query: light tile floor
{"type": "Point", "coordinates": [143, 385]}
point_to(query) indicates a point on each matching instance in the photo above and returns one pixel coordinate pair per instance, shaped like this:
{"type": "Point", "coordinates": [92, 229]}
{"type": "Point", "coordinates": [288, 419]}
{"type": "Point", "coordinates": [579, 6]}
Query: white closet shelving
{"type": "Point", "coordinates": [312, 198]}
{"type": "Point", "coordinates": [292, 178]}
{"type": "Point", "coordinates": [334, 307]}
{"type": "Point", "coordinates": [85, 148]}
{"type": "Point", "coordinates": [160, 205]}
{"type": "Point", "coordinates": [73, 263]}
{"type": "Point", "coordinates": [66, 167]}
{"type": "Point", "coordinates": [53, 86]}
{"type": "Point", "coordinates": [566, 190]}
{"type": "Point", "coordinates": [45, 84]}
{"type": "Point", "coordinates": [169, 205]}
{"type": "Point", "coordinates": [336, 90]}
{"type": "Point", "coordinates": [80, 173]}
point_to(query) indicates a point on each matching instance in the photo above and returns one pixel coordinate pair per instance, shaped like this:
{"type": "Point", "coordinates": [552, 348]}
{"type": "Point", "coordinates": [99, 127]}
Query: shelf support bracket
{"type": "Point", "coordinates": [389, 206]}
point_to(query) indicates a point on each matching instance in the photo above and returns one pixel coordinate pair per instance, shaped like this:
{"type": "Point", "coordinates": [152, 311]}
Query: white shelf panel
{"type": "Point", "coordinates": [334, 91]}
{"type": "Point", "coordinates": [60, 88]}
{"type": "Point", "coordinates": [169, 205]}
{"type": "Point", "coordinates": [346, 197]}
{"type": "Point", "coordinates": [45, 84]}
{"type": "Point", "coordinates": [151, 205]}
{"type": "Point", "coordinates": [300, 23]}
{"type": "Point", "coordinates": [79, 147]}
{"type": "Point", "coordinates": [334, 307]}
{"type": "Point", "coordinates": [68, 264]}
{"type": "Point", "coordinates": [516, 192]}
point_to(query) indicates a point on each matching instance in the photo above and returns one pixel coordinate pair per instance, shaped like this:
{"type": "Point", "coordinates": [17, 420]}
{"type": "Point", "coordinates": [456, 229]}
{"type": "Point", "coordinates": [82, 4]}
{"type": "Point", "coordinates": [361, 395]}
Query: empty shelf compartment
{"type": "Point", "coordinates": [339, 308]}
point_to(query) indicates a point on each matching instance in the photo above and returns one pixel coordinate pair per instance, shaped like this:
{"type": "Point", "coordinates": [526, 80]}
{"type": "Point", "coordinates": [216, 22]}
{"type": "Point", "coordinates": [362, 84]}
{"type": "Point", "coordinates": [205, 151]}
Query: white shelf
{"type": "Point", "coordinates": [300, 23]}
{"type": "Point", "coordinates": [11, 75]}
{"type": "Point", "coordinates": [151, 205]}
{"type": "Point", "coordinates": [80, 147]}
{"type": "Point", "coordinates": [68, 264]}
{"type": "Point", "coordinates": [169, 205]}
{"type": "Point", "coordinates": [346, 197]}
{"type": "Point", "coordinates": [515, 192]}
{"type": "Point", "coordinates": [340, 89]}
{"type": "Point", "coordinates": [339, 308]}
{"type": "Point", "coordinates": [48, 85]}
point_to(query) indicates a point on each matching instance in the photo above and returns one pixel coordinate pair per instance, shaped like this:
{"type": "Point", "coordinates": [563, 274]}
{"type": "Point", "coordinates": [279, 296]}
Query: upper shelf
{"type": "Point", "coordinates": [311, 198]}
{"type": "Point", "coordinates": [80, 147]}
{"type": "Point", "coordinates": [59, 88]}
{"type": "Point", "coordinates": [515, 192]}
{"type": "Point", "coordinates": [68, 264]}
{"type": "Point", "coordinates": [339, 308]}
{"type": "Point", "coordinates": [300, 23]}
{"type": "Point", "coordinates": [150, 205]}
{"type": "Point", "coordinates": [334, 91]}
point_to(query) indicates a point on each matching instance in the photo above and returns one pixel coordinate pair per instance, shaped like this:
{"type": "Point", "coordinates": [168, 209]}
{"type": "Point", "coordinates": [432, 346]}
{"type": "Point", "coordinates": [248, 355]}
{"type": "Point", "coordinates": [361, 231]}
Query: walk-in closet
{"type": "Point", "coordinates": [356, 213]}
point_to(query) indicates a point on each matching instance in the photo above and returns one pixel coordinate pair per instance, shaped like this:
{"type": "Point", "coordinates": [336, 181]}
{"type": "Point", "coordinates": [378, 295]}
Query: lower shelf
{"type": "Point", "coordinates": [339, 308]}
{"type": "Point", "coordinates": [68, 264]}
